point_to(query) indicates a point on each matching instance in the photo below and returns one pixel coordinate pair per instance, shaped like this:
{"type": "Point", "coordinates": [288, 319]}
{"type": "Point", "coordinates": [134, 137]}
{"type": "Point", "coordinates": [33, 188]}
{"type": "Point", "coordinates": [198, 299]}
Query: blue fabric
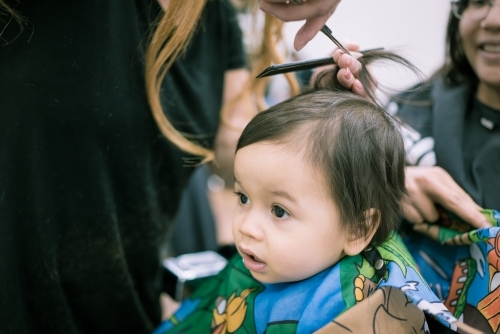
{"type": "Point", "coordinates": [312, 302]}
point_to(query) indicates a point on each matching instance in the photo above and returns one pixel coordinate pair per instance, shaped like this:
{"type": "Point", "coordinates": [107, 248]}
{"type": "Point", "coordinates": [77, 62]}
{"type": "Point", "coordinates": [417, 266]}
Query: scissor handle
{"type": "Point", "coordinates": [325, 30]}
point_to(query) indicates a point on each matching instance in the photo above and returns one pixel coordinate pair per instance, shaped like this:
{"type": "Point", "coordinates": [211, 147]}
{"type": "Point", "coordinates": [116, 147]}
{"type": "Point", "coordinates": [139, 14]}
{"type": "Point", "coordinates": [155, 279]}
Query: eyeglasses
{"type": "Point", "coordinates": [473, 10]}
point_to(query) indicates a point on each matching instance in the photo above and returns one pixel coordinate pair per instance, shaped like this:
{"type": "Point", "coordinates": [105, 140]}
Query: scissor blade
{"type": "Point", "coordinates": [325, 30]}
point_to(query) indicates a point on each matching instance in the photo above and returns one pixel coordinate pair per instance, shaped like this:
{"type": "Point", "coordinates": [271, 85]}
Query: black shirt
{"type": "Point", "coordinates": [87, 183]}
{"type": "Point", "coordinates": [481, 151]}
{"type": "Point", "coordinates": [447, 131]}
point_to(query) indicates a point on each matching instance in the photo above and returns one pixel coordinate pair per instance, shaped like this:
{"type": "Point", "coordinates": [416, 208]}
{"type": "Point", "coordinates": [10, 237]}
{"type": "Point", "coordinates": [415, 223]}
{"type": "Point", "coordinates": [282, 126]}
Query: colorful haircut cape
{"type": "Point", "coordinates": [347, 298]}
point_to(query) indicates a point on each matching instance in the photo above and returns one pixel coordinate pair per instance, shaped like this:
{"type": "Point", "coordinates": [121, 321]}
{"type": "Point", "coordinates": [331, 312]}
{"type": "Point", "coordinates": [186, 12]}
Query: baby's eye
{"type": "Point", "coordinates": [243, 198]}
{"type": "Point", "coordinates": [279, 212]}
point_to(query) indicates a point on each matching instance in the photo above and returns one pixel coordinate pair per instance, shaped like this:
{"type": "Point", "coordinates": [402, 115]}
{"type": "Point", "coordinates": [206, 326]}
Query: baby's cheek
{"type": "Point", "coordinates": [297, 264]}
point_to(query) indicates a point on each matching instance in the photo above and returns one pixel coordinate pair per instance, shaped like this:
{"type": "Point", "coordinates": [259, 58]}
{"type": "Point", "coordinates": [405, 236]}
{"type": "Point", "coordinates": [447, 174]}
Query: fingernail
{"type": "Point", "coordinates": [300, 46]}
{"type": "Point", "coordinates": [349, 61]}
{"type": "Point", "coordinates": [348, 75]}
{"type": "Point", "coordinates": [358, 85]}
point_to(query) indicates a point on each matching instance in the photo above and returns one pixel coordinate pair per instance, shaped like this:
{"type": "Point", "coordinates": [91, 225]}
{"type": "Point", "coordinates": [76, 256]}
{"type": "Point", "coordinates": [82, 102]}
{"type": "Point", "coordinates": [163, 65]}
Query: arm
{"type": "Point", "coordinates": [237, 112]}
{"type": "Point", "coordinates": [315, 12]}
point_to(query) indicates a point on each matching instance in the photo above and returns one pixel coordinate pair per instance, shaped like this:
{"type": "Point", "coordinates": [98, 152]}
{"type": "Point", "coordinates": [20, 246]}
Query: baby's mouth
{"type": "Point", "coordinates": [251, 261]}
{"type": "Point", "coordinates": [255, 258]}
{"type": "Point", "coordinates": [251, 256]}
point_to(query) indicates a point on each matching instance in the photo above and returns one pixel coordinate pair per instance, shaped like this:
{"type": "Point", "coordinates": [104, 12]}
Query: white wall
{"type": "Point", "coordinates": [413, 28]}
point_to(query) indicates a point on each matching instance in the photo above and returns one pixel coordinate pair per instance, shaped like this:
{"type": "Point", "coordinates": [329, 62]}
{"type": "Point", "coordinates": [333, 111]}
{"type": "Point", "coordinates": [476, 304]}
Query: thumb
{"type": "Point", "coordinates": [308, 31]}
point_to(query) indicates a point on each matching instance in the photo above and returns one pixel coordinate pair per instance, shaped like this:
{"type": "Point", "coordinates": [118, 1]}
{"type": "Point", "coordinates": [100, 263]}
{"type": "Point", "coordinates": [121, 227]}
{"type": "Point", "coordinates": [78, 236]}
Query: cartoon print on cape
{"type": "Point", "coordinates": [211, 308]}
{"type": "Point", "coordinates": [464, 269]}
{"type": "Point", "coordinates": [234, 302]}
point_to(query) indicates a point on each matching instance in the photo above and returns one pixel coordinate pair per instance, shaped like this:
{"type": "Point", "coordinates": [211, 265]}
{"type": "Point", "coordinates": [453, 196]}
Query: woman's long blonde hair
{"type": "Point", "coordinates": [172, 34]}
{"type": "Point", "coordinates": [176, 26]}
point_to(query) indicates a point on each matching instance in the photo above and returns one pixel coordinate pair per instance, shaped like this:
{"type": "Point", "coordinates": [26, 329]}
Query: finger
{"type": "Point", "coordinates": [464, 207]}
{"type": "Point", "coordinates": [316, 13]}
{"type": "Point", "coordinates": [337, 53]}
{"type": "Point", "coordinates": [350, 82]}
{"type": "Point", "coordinates": [351, 63]}
{"type": "Point", "coordinates": [345, 78]}
{"type": "Point", "coordinates": [421, 202]}
{"type": "Point", "coordinates": [358, 89]}
{"type": "Point", "coordinates": [411, 213]}
{"type": "Point", "coordinates": [308, 31]}
{"type": "Point", "coordinates": [429, 230]}
{"type": "Point", "coordinates": [352, 47]}
{"type": "Point", "coordinates": [307, 10]}
{"type": "Point", "coordinates": [453, 198]}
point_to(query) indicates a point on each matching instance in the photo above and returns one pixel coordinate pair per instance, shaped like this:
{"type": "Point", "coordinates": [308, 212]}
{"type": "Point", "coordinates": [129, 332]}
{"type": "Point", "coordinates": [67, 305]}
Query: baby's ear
{"type": "Point", "coordinates": [358, 241]}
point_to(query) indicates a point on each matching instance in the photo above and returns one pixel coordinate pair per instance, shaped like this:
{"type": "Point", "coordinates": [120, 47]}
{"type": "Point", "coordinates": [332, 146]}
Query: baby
{"type": "Point", "coordinates": [319, 180]}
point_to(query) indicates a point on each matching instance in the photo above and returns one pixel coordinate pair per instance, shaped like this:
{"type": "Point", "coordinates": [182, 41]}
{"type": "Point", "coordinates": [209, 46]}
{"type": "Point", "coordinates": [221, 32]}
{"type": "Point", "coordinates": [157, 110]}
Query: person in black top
{"type": "Point", "coordinates": [88, 183]}
{"type": "Point", "coordinates": [453, 145]}
{"type": "Point", "coordinates": [458, 129]}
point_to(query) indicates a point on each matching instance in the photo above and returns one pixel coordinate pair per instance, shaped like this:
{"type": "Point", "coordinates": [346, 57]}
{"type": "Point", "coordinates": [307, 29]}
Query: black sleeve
{"type": "Point", "coordinates": [236, 54]}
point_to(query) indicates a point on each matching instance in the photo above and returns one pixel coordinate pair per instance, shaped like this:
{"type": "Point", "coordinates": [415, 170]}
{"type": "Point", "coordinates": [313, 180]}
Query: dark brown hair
{"type": "Point", "coordinates": [456, 69]}
{"type": "Point", "coordinates": [353, 141]}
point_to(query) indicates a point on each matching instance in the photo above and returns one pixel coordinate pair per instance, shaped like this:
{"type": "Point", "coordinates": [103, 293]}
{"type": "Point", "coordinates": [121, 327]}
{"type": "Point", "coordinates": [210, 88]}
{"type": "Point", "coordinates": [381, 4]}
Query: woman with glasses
{"type": "Point", "coordinates": [456, 122]}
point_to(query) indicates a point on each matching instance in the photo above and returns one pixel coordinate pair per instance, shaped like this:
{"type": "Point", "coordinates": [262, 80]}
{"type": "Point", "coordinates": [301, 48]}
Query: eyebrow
{"type": "Point", "coordinates": [284, 194]}
{"type": "Point", "coordinates": [278, 193]}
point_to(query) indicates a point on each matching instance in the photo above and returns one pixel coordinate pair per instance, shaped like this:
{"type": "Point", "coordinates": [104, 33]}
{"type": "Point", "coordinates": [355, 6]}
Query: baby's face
{"type": "Point", "coordinates": [286, 226]}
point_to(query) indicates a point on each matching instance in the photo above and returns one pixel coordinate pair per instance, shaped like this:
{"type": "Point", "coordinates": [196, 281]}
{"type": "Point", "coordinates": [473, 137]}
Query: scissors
{"type": "Point", "coordinates": [325, 30]}
{"type": "Point", "coordinates": [308, 64]}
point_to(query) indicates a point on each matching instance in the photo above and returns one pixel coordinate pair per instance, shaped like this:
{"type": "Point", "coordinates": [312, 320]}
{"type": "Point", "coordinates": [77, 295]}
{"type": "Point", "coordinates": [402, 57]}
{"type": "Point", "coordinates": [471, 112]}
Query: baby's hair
{"type": "Point", "coordinates": [351, 140]}
{"type": "Point", "coordinates": [328, 79]}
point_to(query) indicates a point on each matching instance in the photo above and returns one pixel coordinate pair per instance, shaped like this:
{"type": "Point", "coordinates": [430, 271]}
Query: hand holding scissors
{"type": "Point", "coordinates": [315, 12]}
